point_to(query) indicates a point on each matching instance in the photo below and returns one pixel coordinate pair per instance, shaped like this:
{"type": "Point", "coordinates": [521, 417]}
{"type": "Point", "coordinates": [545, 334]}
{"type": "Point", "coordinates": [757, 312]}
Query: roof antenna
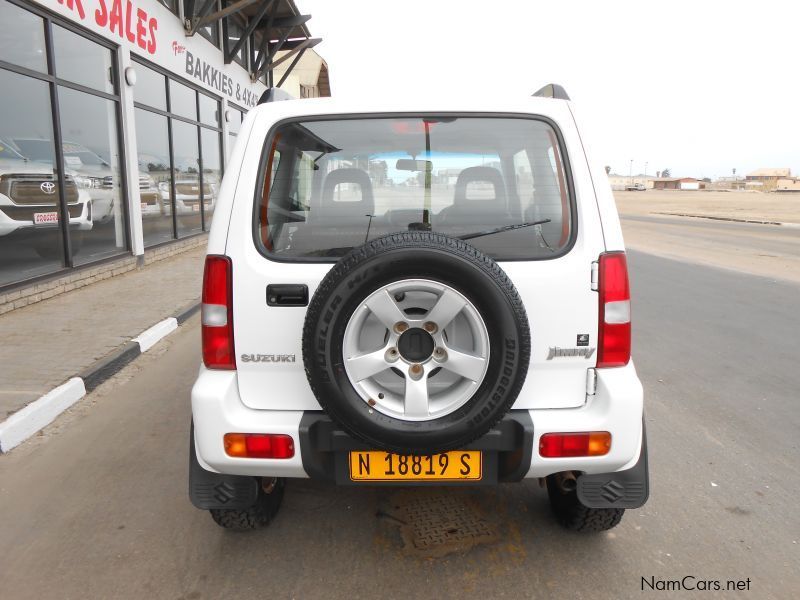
{"type": "Point", "coordinates": [552, 90]}
{"type": "Point", "coordinates": [274, 94]}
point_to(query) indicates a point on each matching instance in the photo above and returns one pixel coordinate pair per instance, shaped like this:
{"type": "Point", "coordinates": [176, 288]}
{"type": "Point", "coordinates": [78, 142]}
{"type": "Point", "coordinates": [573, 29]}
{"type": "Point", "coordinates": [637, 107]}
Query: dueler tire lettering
{"type": "Point", "coordinates": [415, 255]}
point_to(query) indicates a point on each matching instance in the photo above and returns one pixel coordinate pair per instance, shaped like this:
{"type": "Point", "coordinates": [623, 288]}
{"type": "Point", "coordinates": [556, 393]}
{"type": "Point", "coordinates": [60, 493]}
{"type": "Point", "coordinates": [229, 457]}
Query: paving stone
{"type": "Point", "coordinates": [46, 343]}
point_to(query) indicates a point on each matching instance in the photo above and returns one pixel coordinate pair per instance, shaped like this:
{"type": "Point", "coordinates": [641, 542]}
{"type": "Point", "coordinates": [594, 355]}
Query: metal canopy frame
{"type": "Point", "coordinates": [274, 23]}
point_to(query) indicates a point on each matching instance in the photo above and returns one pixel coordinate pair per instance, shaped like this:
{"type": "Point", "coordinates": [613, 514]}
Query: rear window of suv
{"type": "Point", "coordinates": [330, 185]}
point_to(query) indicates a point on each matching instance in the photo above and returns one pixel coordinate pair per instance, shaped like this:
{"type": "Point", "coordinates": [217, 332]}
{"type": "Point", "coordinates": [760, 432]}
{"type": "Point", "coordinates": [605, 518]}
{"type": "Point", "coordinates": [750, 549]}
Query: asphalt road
{"type": "Point", "coordinates": [97, 506]}
{"type": "Point", "coordinates": [767, 250]}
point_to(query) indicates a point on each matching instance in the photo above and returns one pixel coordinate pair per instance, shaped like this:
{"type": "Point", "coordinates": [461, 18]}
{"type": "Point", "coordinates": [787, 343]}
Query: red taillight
{"type": "Point", "coordinates": [258, 445]}
{"type": "Point", "coordinates": [588, 443]}
{"type": "Point", "coordinates": [217, 314]}
{"type": "Point", "coordinates": [614, 335]}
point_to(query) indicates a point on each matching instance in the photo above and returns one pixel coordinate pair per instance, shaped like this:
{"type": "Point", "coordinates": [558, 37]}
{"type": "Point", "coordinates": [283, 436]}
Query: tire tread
{"type": "Point", "coordinates": [257, 516]}
{"type": "Point", "coordinates": [573, 515]}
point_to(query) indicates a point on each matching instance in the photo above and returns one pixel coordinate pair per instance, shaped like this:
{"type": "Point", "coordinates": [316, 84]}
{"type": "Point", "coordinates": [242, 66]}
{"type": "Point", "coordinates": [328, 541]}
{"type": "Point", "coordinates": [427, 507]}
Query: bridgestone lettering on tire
{"type": "Point", "coordinates": [416, 343]}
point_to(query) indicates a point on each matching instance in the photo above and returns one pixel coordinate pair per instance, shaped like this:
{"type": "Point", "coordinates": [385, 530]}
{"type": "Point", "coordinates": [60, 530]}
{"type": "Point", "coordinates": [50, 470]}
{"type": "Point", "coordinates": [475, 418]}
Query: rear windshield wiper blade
{"type": "Point", "coordinates": [469, 236]}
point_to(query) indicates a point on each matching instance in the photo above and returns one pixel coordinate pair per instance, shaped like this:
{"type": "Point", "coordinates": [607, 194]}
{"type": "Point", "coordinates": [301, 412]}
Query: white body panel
{"type": "Point", "coordinates": [269, 397]}
{"type": "Point", "coordinates": [604, 196]}
{"type": "Point", "coordinates": [616, 407]}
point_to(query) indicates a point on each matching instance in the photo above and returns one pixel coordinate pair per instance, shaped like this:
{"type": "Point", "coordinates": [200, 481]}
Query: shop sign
{"type": "Point", "coordinates": [122, 17]}
{"type": "Point", "coordinates": [212, 77]}
{"type": "Point", "coordinates": [128, 21]}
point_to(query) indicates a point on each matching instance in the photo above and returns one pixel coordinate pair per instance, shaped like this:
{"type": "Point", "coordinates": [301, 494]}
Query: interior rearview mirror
{"type": "Point", "coordinates": [409, 164]}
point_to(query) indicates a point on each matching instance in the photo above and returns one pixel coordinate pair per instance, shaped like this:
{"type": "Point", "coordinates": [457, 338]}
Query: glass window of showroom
{"type": "Point", "coordinates": [178, 140]}
{"type": "Point", "coordinates": [62, 189]}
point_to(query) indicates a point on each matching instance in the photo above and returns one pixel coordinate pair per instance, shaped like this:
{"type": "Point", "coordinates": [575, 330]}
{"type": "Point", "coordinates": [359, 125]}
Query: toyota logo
{"type": "Point", "coordinates": [48, 187]}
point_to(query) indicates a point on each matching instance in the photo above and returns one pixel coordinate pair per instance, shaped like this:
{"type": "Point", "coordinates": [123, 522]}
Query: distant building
{"type": "Point", "coordinates": [620, 182]}
{"type": "Point", "coordinates": [678, 183]}
{"type": "Point", "coordinates": [766, 179]}
{"type": "Point", "coordinates": [789, 184]}
{"type": "Point", "coordinates": [734, 182]}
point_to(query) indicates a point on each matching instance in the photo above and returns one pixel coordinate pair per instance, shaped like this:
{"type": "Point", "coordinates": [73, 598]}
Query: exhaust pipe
{"type": "Point", "coordinates": [566, 482]}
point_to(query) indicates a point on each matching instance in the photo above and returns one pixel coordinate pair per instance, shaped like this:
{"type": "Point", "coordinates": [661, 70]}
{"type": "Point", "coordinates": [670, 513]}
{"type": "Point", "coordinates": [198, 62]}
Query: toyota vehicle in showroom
{"type": "Point", "coordinates": [188, 195]}
{"type": "Point", "coordinates": [29, 200]}
{"type": "Point", "coordinates": [152, 171]}
{"type": "Point", "coordinates": [91, 172]}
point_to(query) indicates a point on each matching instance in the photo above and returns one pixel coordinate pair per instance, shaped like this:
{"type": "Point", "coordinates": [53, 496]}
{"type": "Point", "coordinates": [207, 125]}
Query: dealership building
{"type": "Point", "coordinates": [116, 120]}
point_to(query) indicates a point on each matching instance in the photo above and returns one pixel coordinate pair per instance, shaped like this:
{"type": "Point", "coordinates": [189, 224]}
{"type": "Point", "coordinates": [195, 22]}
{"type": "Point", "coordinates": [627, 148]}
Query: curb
{"type": "Point", "coordinates": [41, 412]}
{"type": "Point", "coordinates": [105, 367]}
{"type": "Point", "coordinates": [730, 219]}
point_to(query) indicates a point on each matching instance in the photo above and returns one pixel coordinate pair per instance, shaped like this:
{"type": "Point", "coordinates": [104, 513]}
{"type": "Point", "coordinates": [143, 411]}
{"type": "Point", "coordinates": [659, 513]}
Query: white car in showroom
{"type": "Point", "coordinates": [187, 195]}
{"type": "Point", "coordinates": [29, 200]}
{"type": "Point", "coordinates": [90, 171]}
{"type": "Point", "coordinates": [152, 169]}
{"type": "Point", "coordinates": [427, 293]}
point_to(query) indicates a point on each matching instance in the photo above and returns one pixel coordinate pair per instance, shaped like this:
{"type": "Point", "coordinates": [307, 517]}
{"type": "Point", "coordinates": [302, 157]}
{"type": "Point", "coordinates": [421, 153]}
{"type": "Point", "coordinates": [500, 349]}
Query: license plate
{"type": "Point", "coordinates": [45, 218]}
{"type": "Point", "coordinates": [144, 206]}
{"type": "Point", "coordinates": [374, 465]}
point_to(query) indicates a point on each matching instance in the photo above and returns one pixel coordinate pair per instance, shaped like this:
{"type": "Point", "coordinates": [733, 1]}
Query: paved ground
{"type": "Point", "coordinates": [772, 251]}
{"type": "Point", "coordinates": [767, 250]}
{"type": "Point", "coordinates": [97, 506]}
{"type": "Point", "coordinates": [46, 343]}
{"type": "Point", "coordinates": [783, 207]}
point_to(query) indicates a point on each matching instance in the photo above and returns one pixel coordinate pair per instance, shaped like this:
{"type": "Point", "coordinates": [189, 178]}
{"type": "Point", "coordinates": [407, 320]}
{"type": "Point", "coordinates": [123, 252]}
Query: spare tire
{"type": "Point", "coordinates": [416, 343]}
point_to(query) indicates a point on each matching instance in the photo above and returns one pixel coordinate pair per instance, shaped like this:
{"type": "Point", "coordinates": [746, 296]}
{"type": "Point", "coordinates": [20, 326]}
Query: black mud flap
{"type": "Point", "coordinates": [623, 489]}
{"type": "Point", "coordinates": [212, 490]}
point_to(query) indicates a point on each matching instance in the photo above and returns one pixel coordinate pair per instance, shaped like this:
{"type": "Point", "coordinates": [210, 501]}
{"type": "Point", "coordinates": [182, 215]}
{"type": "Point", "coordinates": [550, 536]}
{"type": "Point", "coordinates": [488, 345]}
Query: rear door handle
{"type": "Point", "coordinates": [287, 294]}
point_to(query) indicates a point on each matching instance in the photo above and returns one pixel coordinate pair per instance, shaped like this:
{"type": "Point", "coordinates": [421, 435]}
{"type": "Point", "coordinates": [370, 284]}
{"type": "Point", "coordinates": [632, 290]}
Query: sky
{"type": "Point", "coordinates": [700, 87]}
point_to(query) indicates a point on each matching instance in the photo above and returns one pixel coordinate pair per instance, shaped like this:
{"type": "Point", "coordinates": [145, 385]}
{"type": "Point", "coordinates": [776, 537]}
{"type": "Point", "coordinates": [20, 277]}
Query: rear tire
{"type": "Point", "coordinates": [438, 260]}
{"type": "Point", "coordinates": [257, 516]}
{"type": "Point", "coordinates": [573, 515]}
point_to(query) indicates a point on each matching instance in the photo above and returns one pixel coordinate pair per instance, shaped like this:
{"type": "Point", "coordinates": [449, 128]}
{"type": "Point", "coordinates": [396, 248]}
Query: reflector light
{"type": "Point", "coordinates": [588, 443]}
{"type": "Point", "coordinates": [614, 331]}
{"type": "Point", "coordinates": [258, 445]}
{"type": "Point", "coordinates": [217, 314]}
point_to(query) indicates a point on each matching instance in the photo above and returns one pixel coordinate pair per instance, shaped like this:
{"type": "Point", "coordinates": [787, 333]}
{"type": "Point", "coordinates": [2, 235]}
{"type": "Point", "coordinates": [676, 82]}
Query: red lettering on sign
{"type": "Point", "coordinates": [101, 14]}
{"type": "Point", "coordinates": [75, 5]}
{"type": "Point", "coordinates": [151, 45]}
{"type": "Point", "coordinates": [141, 31]}
{"type": "Point", "coordinates": [115, 22]}
{"type": "Point", "coordinates": [141, 17]}
{"type": "Point", "coordinates": [128, 14]}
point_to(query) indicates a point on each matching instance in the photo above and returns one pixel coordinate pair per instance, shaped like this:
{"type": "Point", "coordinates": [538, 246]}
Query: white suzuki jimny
{"type": "Point", "coordinates": [416, 294]}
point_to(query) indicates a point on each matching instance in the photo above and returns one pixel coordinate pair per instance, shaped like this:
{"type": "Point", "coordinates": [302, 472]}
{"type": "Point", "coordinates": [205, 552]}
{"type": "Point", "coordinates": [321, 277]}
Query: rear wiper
{"type": "Point", "coordinates": [469, 236]}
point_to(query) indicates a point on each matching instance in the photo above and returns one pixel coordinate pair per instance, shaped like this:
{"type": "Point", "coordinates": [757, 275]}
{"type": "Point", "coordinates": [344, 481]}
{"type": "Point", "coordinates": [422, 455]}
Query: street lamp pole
{"type": "Point", "coordinates": [645, 174]}
{"type": "Point", "coordinates": [630, 175]}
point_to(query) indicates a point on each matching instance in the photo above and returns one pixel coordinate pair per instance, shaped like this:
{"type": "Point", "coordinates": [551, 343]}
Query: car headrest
{"type": "Point", "coordinates": [331, 204]}
{"type": "Point", "coordinates": [482, 175]}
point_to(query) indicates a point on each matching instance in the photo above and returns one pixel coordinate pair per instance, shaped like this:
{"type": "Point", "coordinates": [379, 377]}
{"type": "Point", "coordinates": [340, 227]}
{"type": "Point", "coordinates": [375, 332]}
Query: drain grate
{"type": "Point", "coordinates": [435, 524]}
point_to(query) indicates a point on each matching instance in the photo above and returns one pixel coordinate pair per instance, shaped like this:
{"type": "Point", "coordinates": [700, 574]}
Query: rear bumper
{"type": "Point", "coordinates": [616, 407]}
{"type": "Point", "coordinates": [507, 449]}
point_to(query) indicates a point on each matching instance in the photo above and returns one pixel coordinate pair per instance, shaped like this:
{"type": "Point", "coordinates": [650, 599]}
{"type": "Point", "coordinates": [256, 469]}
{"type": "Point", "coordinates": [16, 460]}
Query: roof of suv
{"type": "Point", "coordinates": [415, 105]}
